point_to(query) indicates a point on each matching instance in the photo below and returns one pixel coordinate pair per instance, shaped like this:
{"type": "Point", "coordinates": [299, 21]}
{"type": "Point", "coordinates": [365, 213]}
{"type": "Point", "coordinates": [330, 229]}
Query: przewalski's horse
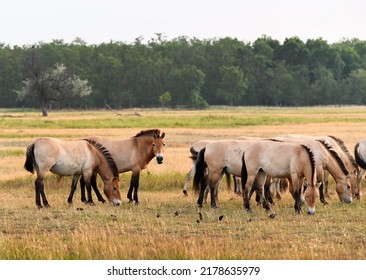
{"type": "Point", "coordinates": [72, 158]}
{"type": "Point", "coordinates": [326, 159]}
{"type": "Point", "coordinates": [133, 154]}
{"type": "Point", "coordinates": [195, 149]}
{"type": "Point", "coordinates": [360, 156]}
{"type": "Point", "coordinates": [350, 163]}
{"type": "Point", "coordinates": [226, 156]}
{"type": "Point", "coordinates": [280, 160]}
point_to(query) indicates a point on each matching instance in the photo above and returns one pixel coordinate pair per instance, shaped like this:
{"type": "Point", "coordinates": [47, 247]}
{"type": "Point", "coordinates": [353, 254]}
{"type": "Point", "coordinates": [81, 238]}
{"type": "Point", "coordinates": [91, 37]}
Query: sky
{"type": "Point", "coordinates": [27, 22]}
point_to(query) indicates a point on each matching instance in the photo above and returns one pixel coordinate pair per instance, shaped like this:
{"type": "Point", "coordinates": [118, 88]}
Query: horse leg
{"type": "Point", "coordinates": [82, 189]}
{"type": "Point", "coordinates": [44, 199]}
{"type": "Point", "coordinates": [188, 178]}
{"type": "Point", "coordinates": [297, 195]}
{"type": "Point", "coordinates": [95, 188]}
{"type": "Point", "coordinates": [326, 182]}
{"type": "Point", "coordinates": [89, 193]}
{"type": "Point", "coordinates": [74, 182]}
{"type": "Point", "coordinates": [261, 181]}
{"type": "Point", "coordinates": [134, 185]}
{"type": "Point", "coordinates": [203, 188]}
{"type": "Point", "coordinates": [38, 186]}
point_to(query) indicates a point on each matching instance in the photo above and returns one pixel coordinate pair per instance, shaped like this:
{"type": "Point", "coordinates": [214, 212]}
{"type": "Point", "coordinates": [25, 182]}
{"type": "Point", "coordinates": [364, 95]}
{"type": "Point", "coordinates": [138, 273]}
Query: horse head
{"type": "Point", "coordinates": [112, 192]}
{"type": "Point", "coordinates": [158, 146]}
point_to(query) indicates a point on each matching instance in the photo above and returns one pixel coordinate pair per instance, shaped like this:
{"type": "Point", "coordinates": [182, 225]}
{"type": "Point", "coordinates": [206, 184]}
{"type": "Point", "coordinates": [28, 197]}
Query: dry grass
{"type": "Point", "coordinates": [164, 225]}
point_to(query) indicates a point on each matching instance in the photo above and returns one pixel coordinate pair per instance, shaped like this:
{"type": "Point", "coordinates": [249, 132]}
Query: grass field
{"type": "Point", "coordinates": [164, 225]}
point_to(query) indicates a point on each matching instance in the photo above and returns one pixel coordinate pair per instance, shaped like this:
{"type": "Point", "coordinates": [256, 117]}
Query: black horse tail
{"type": "Point", "coordinates": [360, 161]}
{"type": "Point", "coordinates": [244, 172]}
{"type": "Point", "coordinates": [29, 161]}
{"type": "Point", "coordinates": [194, 154]}
{"type": "Point", "coordinates": [200, 170]}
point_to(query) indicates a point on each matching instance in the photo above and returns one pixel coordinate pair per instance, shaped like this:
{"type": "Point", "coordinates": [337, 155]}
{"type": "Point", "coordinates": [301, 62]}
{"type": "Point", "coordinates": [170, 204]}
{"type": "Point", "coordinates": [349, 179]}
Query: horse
{"type": "Point", "coordinates": [342, 151]}
{"type": "Point", "coordinates": [327, 159]}
{"type": "Point", "coordinates": [194, 150]}
{"type": "Point", "coordinates": [132, 154]}
{"type": "Point", "coordinates": [72, 158]}
{"type": "Point", "coordinates": [226, 156]}
{"type": "Point", "coordinates": [360, 157]}
{"type": "Point", "coordinates": [280, 160]}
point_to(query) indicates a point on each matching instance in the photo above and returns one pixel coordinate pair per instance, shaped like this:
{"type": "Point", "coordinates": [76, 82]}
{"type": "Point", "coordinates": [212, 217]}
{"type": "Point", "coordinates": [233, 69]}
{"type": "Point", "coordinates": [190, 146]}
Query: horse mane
{"type": "Point", "coordinates": [312, 161]}
{"type": "Point", "coordinates": [335, 155]}
{"type": "Point", "coordinates": [341, 144]}
{"type": "Point", "coordinates": [107, 156]}
{"type": "Point", "coordinates": [149, 132]}
{"type": "Point", "coordinates": [360, 161]}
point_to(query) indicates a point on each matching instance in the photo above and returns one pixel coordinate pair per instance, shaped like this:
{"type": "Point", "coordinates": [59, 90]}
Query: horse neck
{"type": "Point", "coordinates": [335, 170]}
{"type": "Point", "coordinates": [144, 146]}
{"type": "Point", "coordinates": [103, 169]}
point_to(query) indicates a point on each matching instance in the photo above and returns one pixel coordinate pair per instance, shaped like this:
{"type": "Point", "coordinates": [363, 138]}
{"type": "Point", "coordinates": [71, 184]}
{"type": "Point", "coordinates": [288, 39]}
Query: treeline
{"type": "Point", "coordinates": [188, 72]}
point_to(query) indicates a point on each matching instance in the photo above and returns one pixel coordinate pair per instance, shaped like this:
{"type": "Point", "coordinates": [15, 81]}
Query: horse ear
{"type": "Point", "coordinates": [162, 135]}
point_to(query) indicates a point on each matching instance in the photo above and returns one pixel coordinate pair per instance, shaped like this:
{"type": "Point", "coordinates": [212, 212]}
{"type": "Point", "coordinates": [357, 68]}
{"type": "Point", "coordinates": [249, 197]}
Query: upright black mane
{"type": "Point", "coordinates": [341, 144]}
{"type": "Point", "coordinates": [107, 156]}
{"type": "Point", "coordinates": [150, 132]}
{"type": "Point", "coordinates": [335, 155]}
{"type": "Point", "coordinates": [312, 160]}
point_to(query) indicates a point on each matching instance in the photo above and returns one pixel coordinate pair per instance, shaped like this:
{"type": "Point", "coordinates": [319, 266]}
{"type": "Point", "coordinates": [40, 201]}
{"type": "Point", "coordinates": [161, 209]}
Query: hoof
{"type": "Point", "coordinates": [221, 217]}
{"type": "Point", "coordinates": [185, 193]}
{"type": "Point", "coordinates": [91, 203]}
{"type": "Point", "coordinates": [79, 209]}
{"type": "Point", "coordinates": [272, 216]}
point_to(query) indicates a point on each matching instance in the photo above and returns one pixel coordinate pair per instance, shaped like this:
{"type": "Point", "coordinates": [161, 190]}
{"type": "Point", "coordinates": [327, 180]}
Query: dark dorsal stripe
{"type": "Point", "coordinates": [150, 132]}
{"type": "Point", "coordinates": [335, 156]}
{"type": "Point", "coordinates": [312, 161]}
{"type": "Point", "coordinates": [360, 161]}
{"type": "Point", "coordinates": [107, 156]}
{"type": "Point", "coordinates": [341, 144]}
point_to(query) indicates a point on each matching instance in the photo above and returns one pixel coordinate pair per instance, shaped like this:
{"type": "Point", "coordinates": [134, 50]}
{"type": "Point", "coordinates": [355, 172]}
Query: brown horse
{"type": "Point", "coordinates": [72, 158]}
{"type": "Point", "coordinates": [133, 154]}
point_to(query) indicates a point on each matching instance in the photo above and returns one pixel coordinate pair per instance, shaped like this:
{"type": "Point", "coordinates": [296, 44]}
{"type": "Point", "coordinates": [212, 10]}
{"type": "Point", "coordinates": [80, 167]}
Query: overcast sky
{"type": "Point", "coordinates": [25, 22]}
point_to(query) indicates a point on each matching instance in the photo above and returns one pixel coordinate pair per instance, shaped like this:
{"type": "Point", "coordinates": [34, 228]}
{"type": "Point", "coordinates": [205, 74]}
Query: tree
{"type": "Point", "coordinates": [54, 85]}
{"type": "Point", "coordinates": [232, 86]}
{"type": "Point", "coordinates": [165, 98]}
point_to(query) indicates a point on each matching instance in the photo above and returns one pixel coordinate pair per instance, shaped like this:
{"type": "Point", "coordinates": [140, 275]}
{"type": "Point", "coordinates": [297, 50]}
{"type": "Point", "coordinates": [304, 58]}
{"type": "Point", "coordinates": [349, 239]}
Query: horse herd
{"type": "Point", "coordinates": [301, 162]}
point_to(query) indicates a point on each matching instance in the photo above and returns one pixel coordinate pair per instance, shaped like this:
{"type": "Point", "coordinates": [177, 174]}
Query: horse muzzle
{"type": "Point", "coordinates": [116, 202]}
{"type": "Point", "coordinates": [159, 159]}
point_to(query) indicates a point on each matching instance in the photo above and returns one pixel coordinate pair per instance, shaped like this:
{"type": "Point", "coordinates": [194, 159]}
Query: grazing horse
{"type": "Point", "coordinates": [327, 159]}
{"type": "Point", "coordinates": [133, 154]}
{"type": "Point", "coordinates": [350, 163]}
{"type": "Point", "coordinates": [280, 160]}
{"type": "Point", "coordinates": [72, 158]}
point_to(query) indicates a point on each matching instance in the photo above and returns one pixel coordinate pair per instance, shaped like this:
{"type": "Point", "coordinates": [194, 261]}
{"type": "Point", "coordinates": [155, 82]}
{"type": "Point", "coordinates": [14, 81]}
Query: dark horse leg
{"type": "Point", "coordinates": [134, 186]}
{"type": "Point", "coordinates": [94, 186]}
{"type": "Point", "coordinates": [39, 186]}
{"type": "Point", "coordinates": [74, 182]}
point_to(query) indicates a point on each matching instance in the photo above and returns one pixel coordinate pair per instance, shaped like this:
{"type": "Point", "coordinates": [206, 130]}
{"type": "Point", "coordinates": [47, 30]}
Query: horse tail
{"type": "Point", "coordinates": [29, 160]}
{"type": "Point", "coordinates": [200, 170]}
{"type": "Point", "coordinates": [360, 161]}
{"type": "Point", "coordinates": [194, 154]}
{"type": "Point", "coordinates": [228, 179]}
{"type": "Point", "coordinates": [244, 172]}
{"type": "Point", "coordinates": [312, 162]}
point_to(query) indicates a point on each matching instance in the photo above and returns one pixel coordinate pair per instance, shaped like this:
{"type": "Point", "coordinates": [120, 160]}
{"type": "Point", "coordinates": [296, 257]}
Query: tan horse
{"type": "Point", "coordinates": [72, 158]}
{"type": "Point", "coordinates": [360, 156]}
{"type": "Point", "coordinates": [350, 163]}
{"type": "Point", "coordinates": [133, 154]}
{"type": "Point", "coordinates": [194, 150]}
{"type": "Point", "coordinates": [327, 159]}
{"type": "Point", "coordinates": [280, 160]}
{"type": "Point", "coordinates": [226, 155]}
